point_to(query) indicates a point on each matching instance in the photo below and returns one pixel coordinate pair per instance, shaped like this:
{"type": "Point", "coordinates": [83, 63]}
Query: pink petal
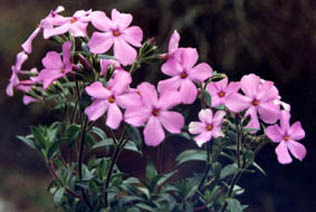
{"type": "Point", "coordinates": [237, 102]}
{"type": "Point", "coordinates": [100, 21]}
{"type": "Point", "coordinates": [153, 132]}
{"type": "Point", "coordinates": [169, 84]}
{"type": "Point", "coordinates": [171, 121]}
{"type": "Point", "coordinates": [285, 120]}
{"type": "Point", "coordinates": [21, 57]}
{"type": "Point", "coordinates": [129, 100]}
{"type": "Point", "coordinates": [233, 87]}
{"type": "Point", "coordinates": [171, 68]}
{"type": "Point", "coordinates": [48, 76]}
{"type": "Point", "coordinates": [96, 90]}
{"type": "Point", "coordinates": [66, 52]}
{"type": "Point", "coordinates": [249, 85]}
{"type": "Point", "coordinates": [27, 100]}
{"type": "Point", "coordinates": [275, 133]}
{"type": "Point", "coordinates": [121, 82]}
{"type": "Point", "coordinates": [123, 20]}
{"type": "Point", "coordinates": [96, 109]}
{"type": "Point", "coordinates": [189, 57]}
{"type": "Point", "coordinates": [203, 138]}
{"type": "Point", "coordinates": [137, 116]}
{"type": "Point", "coordinates": [168, 99]}
{"type": "Point", "coordinates": [269, 112]}
{"type": "Point", "coordinates": [124, 52]}
{"type": "Point", "coordinates": [196, 127]}
{"type": "Point", "coordinates": [133, 35]}
{"type": "Point", "coordinates": [52, 60]}
{"type": "Point", "coordinates": [297, 149]}
{"type": "Point", "coordinates": [79, 29]}
{"type": "Point", "coordinates": [173, 42]}
{"type": "Point", "coordinates": [148, 94]}
{"type": "Point", "coordinates": [218, 118]}
{"type": "Point", "coordinates": [254, 122]}
{"type": "Point", "coordinates": [100, 42]}
{"type": "Point", "coordinates": [114, 116]}
{"type": "Point", "coordinates": [213, 91]}
{"type": "Point", "coordinates": [217, 132]}
{"type": "Point", "coordinates": [201, 72]}
{"type": "Point", "coordinates": [56, 31]}
{"type": "Point", "coordinates": [283, 153]}
{"type": "Point", "coordinates": [296, 131]}
{"type": "Point", "coordinates": [267, 92]}
{"type": "Point", "coordinates": [206, 116]}
{"type": "Point", "coordinates": [222, 84]}
{"type": "Point", "coordinates": [27, 45]}
{"type": "Point", "coordinates": [188, 91]}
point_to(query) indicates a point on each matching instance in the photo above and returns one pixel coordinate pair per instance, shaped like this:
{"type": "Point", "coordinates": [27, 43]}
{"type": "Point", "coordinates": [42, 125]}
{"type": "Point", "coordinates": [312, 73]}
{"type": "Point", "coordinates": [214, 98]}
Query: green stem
{"type": "Point", "coordinates": [238, 141]}
{"type": "Point", "coordinates": [208, 166]}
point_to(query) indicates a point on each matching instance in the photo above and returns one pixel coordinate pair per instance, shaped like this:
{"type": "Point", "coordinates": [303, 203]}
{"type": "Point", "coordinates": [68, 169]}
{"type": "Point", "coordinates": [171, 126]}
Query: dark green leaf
{"type": "Point", "coordinates": [165, 177]}
{"type": "Point", "coordinates": [27, 141]}
{"type": "Point", "coordinates": [105, 56]}
{"type": "Point", "coordinates": [234, 205]}
{"type": "Point", "coordinates": [85, 101]}
{"type": "Point", "coordinates": [145, 207]}
{"type": "Point", "coordinates": [39, 137]}
{"type": "Point", "coordinates": [207, 97]}
{"type": "Point", "coordinates": [131, 146]}
{"type": "Point", "coordinates": [104, 143]}
{"type": "Point", "coordinates": [98, 131]}
{"type": "Point", "coordinates": [191, 155]}
{"type": "Point", "coordinates": [228, 171]}
{"type": "Point", "coordinates": [135, 136]}
{"type": "Point", "coordinates": [151, 171]}
{"type": "Point", "coordinates": [58, 196]}
{"type": "Point", "coordinates": [72, 134]}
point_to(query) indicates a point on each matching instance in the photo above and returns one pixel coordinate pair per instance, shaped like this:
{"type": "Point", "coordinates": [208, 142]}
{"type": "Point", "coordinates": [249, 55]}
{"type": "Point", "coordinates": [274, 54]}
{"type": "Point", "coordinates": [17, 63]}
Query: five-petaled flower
{"type": "Point", "coordinates": [287, 135]}
{"type": "Point", "coordinates": [208, 126]}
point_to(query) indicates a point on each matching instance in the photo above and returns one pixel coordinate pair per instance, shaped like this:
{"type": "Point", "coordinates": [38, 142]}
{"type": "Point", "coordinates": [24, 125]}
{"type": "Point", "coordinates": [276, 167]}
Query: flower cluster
{"type": "Point", "coordinates": [109, 83]}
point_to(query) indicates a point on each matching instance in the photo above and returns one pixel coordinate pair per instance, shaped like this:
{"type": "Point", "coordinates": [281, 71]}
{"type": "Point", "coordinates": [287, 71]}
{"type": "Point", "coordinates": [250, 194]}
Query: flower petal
{"type": "Point", "coordinates": [237, 102]}
{"type": "Point", "coordinates": [56, 30]}
{"type": "Point", "coordinates": [52, 60]}
{"type": "Point", "coordinates": [188, 91]}
{"type": "Point", "coordinates": [124, 52]}
{"type": "Point", "coordinates": [48, 76]}
{"type": "Point", "coordinates": [123, 20]}
{"type": "Point", "coordinates": [171, 67]}
{"type": "Point", "coordinates": [137, 116]}
{"type": "Point", "coordinates": [218, 118]}
{"type": "Point", "coordinates": [189, 57]}
{"type": "Point", "coordinates": [283, 153]}
{"type": "Point", "coordinates": [296, 132]}
{"type": "Point", "coordinates": [114, 116]}
{"type": "Point", "coordinates": [173, 42]}
{"type": "Point", "coordinates": [121, 81]}
{"type": "Point", "coordinates": [171, 121]}
{"type": "Point", "coordinates": [66, 52]}
{"type": "Point", "coordinates": [275, 133]}
{"type": "Point", "coordinates": [100, 42]}
{"type": "Point", "coordinates": [27, 45]}
{"type": "Point", "coordinates": [129, 100]}
{"type": "Point", "coordinates": [153, 132]}
{"type": "Point", "coordinates": [203, 138]}
{"type": "Point", "coordinates": [196, 127]}
{"type": "Point", "coordinates": [206, 116]}
{"type": "Point", "coordinates": [201, 72]}
{"type": "Point", "coordinates": [168, 99]}
{"type": "Point", "coordinates": [249, 85]}
{"type": "Point", "coordinates": [96, 109]}
{"type": "Point", "coordinates": [96, 90]}
{"type": "Point", "coordinates": [100, 21]}
{"type": "Point", "coordinates": [169, 84]}
{"type": "Point", "coordinates": [285, 120]}
{"type": "Point", "coordinates": [148, 94]}
{"type": "Point", "coordinates": [133, 35]}
{"type": "Point", "coordinates": [297, 149]}
{"type": "Point", "coordinates": [269, 112]}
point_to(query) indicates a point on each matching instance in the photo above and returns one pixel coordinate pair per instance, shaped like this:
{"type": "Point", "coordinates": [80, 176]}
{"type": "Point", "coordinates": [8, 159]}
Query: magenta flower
{"type": "Point", "coordinates": [54, 66]}
{"type": "Point", "coordinates": [220, 90]}
{"type": "Point", "coordinates": [16, 69]}
{"type": "Point", "coordinates": [208, 126]}
{"type": "Point", "coordinates": [155, 111]}
{"type": "Point", "coordinates": [106, 63]}
{"type": "Point", "coordinates": [172, 48]}
{"type": "Point", "coordinates": [183, 74]}
{"type": "Point", "coordinates": [117, 33]}
{"type": "Point", "coordinates": [26, 86]}
{"type": "Point", "coordinates": [108, 99]}
{"type": "Point", "coordinates": [259, 98]}
{"type": "Point", "coordinates": [287, 136]}
{"type": "Point", "coordinates": [46, 23]}
{"type": "Point", "coordinates": [76, 25]}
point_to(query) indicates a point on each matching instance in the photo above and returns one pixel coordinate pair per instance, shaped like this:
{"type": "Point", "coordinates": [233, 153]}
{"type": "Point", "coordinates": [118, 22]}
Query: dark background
{"type": "Point", "coordinates": [275, 39]}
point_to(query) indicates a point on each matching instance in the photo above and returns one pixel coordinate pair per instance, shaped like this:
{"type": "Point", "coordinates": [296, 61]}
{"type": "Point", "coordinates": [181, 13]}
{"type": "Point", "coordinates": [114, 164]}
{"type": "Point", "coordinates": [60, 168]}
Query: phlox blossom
{"type": "Point", "coordinates": [115, 32]}
{"type": "Point", "coordinates": [209, 126]}
{"type": "Point", "coordinates": [54, 66]}
{"type": "Point", "coordinates": [107, 99]}
{"type": "Point", "coordinates": [220, 90]}
{"type": "Point", "coordinates": [287, 135]}
{"type": "Point", "coordinates": [155, 112]}
{"type": "Point", "coordinates": [259, 98]}
{"type": "Point", "coordinates": [21, 57]}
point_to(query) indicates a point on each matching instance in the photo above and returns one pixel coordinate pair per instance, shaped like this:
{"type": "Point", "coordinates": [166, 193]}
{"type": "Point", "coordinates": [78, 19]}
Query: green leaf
{"type": "Point", "coordinates": [145, 207]}
{"type": "Point", "coordinates": [105, 56]}
{"type": "Point", "coordinates": [151, 171]}
{"type": "Point", "coordinates": [58, 196]}
{"type": "Point", "coordinates": [99, 132]}
{"type": "Point", "coordinates": [135, 136]}
{"type": "Point", "coordinates": [250, 156]}
{"type": "Point", "coordinates": [234, 205]}
{"type": "Point", "coordinates": [259, 168]}
{"type": "Point", "coordinates": [27, 141]}
{"type": "Point", "coordinates": [165, 177]}
{"type": "Point", "coordinates": [191, 155]}
{"type": "Point", "coordinates": [72, 134]}
{"type": "Point", "coordinates": [104, 143]}
{"type": "Point", "coordinates": [39, 137]}
{"type": "Point", "coordinates": [131, 146]}
{"type": "Point", "coordinates": [207, 97]}
{"type": "Point", "coordinates": [85, 101]}
{"type": "Point", "coordinates": [85, 48]}
{"type": "Point", "coordinates": [228, 171]}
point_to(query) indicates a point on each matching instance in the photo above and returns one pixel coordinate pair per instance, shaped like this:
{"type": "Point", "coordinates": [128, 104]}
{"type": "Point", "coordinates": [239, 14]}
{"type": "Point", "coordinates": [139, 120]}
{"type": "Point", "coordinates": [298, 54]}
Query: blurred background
{"type": "Point", "coordinates": [275, 39]}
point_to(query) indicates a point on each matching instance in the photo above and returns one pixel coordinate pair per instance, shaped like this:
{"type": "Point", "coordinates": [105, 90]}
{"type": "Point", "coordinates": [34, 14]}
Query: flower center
{"type": "Point", "coordinates": [63, 70]}
{"type": "Point", "coordinates": [156, 112]}
{"type": "Point", "coordinates": [286, 138]}
{"type": "Point", "coordinates": [111, 99]}
{"type": "Point", "coordinates": [255, 103]}
{"type": "Point", "coordinates": [183, 75]}
{"type": "Point", "coordinates": [221, 94]}
{"type": "Point", "coordinates": [73, 20]}
{"type": "Point", "coordinates": [209, 127]}
{"type": "Point", "coordinates": [116, 33]}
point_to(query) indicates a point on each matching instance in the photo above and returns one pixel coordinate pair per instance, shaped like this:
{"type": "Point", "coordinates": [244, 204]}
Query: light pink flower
{"type": "Point", "coordinates": [155, 111]}
{"type": "Point", "coordinates": [220, 90]}
{"type": "Point", "coordinates": [108, 99]}
{"type": "Point", "coordinates": [208, 126]}
{"type": "Point", "coordinates": [46, 23]}
{"type": "Point", "coordinates": [287, 136]}
{"type": "Point", "coordinates": [76, 25]}
{"type": "Point", "coordinates": [54, 66]}
{"type": "Point", "coordinates": [115, 33]}
{"type": "Point", "coordinates": [21, 57]}
{"type": "Point", "coordinates": [184, 72]}
{"type": "Point", "coordinates": [105, 63]}
{"type": "Point", "coordinates": [259, 98]}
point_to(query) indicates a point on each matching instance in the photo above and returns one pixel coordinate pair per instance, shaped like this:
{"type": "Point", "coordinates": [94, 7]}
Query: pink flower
{"type": "Point", "coordinates": [117, 33]}
{"type": "Point", "coordinates": [16, 69]}
{"type": "Point", "coordinates": [287, 136]}
{"type": "Point", "coordinates": [55, 67]}
{"type": "Point", "coordinates": [183, 73]}
{"type": "Point", "coordinates": [155, 111]}
{"type": "Point", "coordinates": [77, 25]}
{"type": "Point", "coordinates": [105, 63]}
{"type": "Point", "coordinates": [108, 99]}
{"type": "Point", "coordinates": [208, 126]}
{"type": "Point", "coordinates": [259, 98]}
{"type": "Point", "coordinates": [220, 90]}
{"type": "Point", "coordinates": [46, 23]}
